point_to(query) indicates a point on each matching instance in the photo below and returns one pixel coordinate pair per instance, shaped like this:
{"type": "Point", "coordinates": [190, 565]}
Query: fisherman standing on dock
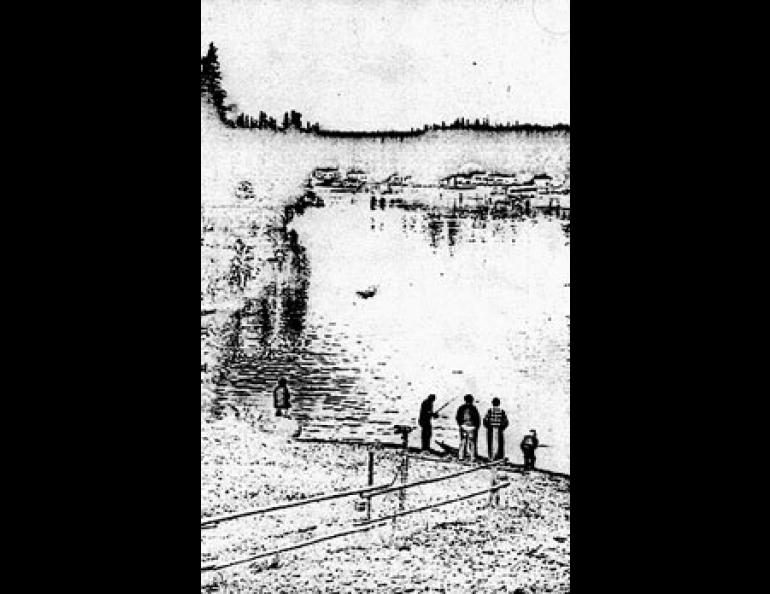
{"type": "Point", "coordinates": [281, 398]}
{"type": "Point", "coordinates": [469, 421]}
{"type": "Point", "coordinates": [529, 445]}
{"type": "Point", "coordinates": [496, 422]}
{"type": "Point", "coordinates": [425, 421]}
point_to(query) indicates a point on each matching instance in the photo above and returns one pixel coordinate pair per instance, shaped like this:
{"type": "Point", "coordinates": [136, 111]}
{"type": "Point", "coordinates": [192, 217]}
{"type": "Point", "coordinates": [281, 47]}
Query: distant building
{"type": "Point", "coordinates": [474, 179]}
{"type": "Point", "coordinates": [493, 179]}
{"type": "Point", "coordinates": [458, 182]}
{"type": "Point", "coordinates": [327, 174]}
{"type": "Point", "coordinates": [502, 179]}
{"type": "Point", "coordinates": [522, 191]}
{"type": "Point", "coordinates": [478, 178]}
{"type": "Point", "coordinates": [544, 183]}
{"type": "Point", "coordinates": [398, 180]}
{"type": "Point", "coordinates": [357, 175]}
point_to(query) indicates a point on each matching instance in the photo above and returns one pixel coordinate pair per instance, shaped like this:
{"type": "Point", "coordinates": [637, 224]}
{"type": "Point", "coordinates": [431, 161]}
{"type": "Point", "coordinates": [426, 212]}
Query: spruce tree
{"type": "Point", "coordinates": [211, 80]}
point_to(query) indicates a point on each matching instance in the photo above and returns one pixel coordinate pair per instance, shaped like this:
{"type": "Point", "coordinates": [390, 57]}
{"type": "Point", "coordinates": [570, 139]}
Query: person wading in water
{"type": "Point", "coordinates": [496, 423]}
{"type": "Point", "coordinates": [281, 398]}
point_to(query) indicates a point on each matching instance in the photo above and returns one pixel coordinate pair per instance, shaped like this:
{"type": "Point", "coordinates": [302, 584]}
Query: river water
{"type": "Point", "coordinates": [463, 304]}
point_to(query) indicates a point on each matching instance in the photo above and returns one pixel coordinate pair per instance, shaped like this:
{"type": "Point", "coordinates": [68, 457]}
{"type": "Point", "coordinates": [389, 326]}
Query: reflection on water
{"type": "Point", "coordinates": [463, 304]}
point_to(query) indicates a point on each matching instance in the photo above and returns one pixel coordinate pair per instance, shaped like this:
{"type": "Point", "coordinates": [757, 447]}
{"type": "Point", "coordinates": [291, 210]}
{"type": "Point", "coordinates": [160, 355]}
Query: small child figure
{"type": "Point", "coordinates": [529, 444]}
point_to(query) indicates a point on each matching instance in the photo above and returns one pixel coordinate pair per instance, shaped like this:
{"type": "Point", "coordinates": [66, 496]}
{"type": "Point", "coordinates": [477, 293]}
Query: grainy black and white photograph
{"type": "Point", "coordinates": [385, 296]}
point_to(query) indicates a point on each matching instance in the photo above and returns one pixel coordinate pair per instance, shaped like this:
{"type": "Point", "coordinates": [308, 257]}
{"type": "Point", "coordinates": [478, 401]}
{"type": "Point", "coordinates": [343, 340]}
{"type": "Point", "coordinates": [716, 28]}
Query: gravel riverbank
{"type": "Point", "coordinates": [463, 547]}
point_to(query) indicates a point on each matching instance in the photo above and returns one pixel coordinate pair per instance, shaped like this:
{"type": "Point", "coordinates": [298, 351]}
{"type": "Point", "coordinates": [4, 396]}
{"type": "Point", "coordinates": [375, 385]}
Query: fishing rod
{"type": "Point", "coordinates": [445, 405]}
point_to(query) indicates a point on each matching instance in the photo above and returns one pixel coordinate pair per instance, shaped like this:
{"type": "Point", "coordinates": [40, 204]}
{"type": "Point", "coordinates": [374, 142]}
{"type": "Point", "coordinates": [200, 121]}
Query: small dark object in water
{"type": "Point", "coordinates": [368, 293]}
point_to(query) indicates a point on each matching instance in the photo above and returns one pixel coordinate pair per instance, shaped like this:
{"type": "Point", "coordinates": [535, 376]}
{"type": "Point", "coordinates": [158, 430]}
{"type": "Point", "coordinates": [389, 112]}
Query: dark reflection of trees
{"type": "Point", "coordinates": [273, 322]}
{"type": "Point", "coordinates": [456, 221]}
{"type": "Point", "coordinates": [230, 346]}
{"type": "Point", "coordinates": [242, 266]}
{"type": "Point", "coordinates": [294, 294]}
{"type": "Point", "coordinates": [435, 230]}
{"type": "Point", "coordinates": [453, 231]}
{"type": "Point", "coordinates": [269, 325]}
{"type": "Point", "coordinates": [280, 310]}
{"type": "Point", "coordinates": [221, 405]}
{"type": "Point", "coordinates": [432, 221]}
{"type": "Point", "coordinates": [264, 318]}
{"type": "Point", "coordinates": [448, 228]}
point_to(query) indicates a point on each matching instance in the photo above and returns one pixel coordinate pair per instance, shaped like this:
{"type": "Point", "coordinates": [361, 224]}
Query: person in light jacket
{"type": "Point", "coordinates": [496, 422]}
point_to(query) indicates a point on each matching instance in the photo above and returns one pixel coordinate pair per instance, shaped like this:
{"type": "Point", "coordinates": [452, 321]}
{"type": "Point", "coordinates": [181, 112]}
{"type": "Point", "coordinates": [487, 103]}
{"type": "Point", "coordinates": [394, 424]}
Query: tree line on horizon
{"type": "Point", "coordinates": [213, 92]}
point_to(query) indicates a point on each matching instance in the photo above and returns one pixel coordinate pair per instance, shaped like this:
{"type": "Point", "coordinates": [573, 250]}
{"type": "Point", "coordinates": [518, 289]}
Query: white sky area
{"type": "Point", "coordinates": [394, 64]}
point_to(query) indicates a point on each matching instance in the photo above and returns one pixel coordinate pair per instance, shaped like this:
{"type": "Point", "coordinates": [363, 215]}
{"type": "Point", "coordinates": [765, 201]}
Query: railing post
{"type": "Point", "coordinates": [404, 480]}
{"type": "Point", "coordinates": [370, 483]}
{"type": "Point", "coordinates": [404, 431]}
{"type": "Point", "coordinates": [494, 496]}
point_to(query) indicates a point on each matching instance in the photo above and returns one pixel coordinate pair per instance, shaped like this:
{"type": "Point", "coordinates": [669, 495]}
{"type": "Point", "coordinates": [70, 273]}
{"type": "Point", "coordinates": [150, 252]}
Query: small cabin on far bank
{"type": "Point", "coordinates": [541, 183]}
{"type": "Point", "coordinates": [398, 180]}
{"type": "Point", "coordinates": [357, 175]}
{"type": "Point", "coordinates": [544, 183]}
{"type": "Point", "coordinates": [457, 182]}
{"type": "Point", "coordinates": [327, 174]}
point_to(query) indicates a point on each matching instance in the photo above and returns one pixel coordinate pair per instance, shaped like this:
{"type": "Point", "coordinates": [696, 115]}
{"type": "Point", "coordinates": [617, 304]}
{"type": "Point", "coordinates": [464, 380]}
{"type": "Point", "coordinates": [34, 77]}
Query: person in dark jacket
{"type": "Point", "coordinates": [469, 421]}
{"type": "Point", "coordinates": [425, 421]}
{"type": "Point", "coordinates": [529, 445]}
{"type": "Point", "coordinates": [496, 422]}
{"type": "Point", "coordinates": [281, 398]}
